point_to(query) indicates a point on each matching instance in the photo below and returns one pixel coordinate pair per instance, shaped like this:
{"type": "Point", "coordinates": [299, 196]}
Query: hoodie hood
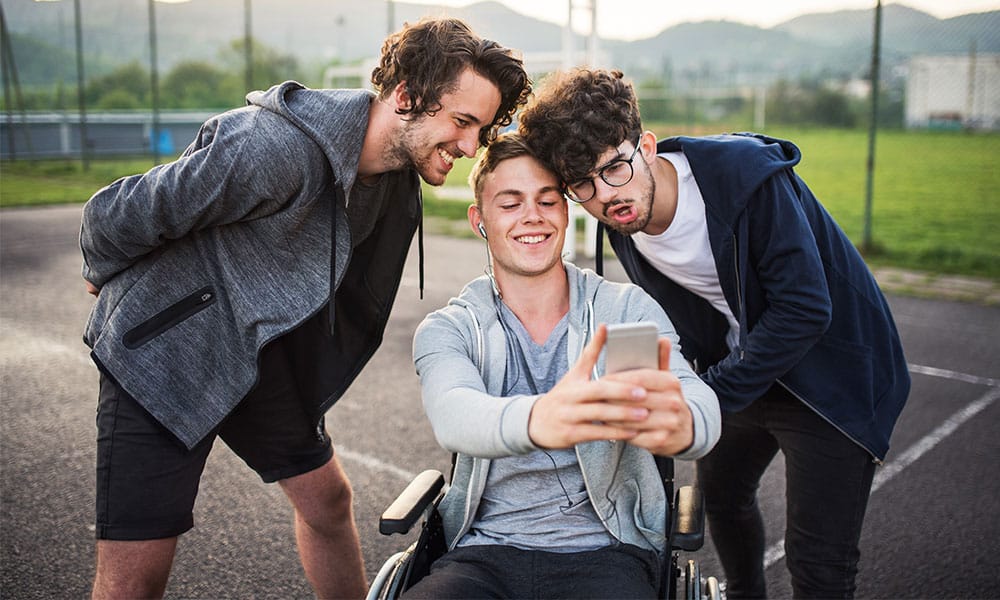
{"type": "Point", "coordinates": [480, 302]}
{"type": "Point", "coordinates": [746, 159]}
{"type": "Point", "coordinates": [749, 159]}
{"type": "Point", "coordinates": [335, 119]}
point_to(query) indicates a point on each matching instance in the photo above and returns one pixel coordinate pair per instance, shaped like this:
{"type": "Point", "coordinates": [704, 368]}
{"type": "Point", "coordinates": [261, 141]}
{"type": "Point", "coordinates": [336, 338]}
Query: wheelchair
{"type": "Point", "coordinates": [420, 498]}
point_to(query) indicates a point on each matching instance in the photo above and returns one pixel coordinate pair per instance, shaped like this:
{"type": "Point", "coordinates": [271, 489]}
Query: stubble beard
{"type": "Point", "coordinates": [405, 151]}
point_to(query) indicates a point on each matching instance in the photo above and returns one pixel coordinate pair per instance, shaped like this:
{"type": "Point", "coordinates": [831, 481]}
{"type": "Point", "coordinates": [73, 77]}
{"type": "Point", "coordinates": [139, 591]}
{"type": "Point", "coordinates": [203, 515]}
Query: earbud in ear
{"type": "Point", "coordinates": [482, 230]}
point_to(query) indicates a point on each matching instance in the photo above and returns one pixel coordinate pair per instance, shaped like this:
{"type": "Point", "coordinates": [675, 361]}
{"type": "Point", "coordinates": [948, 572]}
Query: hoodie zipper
{"type": "Point", "coordinates": [475, 469]}
{"type": "Point", "coordinates": [875, 459]}
{"type": "Point", "coordinates": [739, 302]}
{"type": "Point", "coordinates": [739, 295]}
{"type": "Point", "coordinates": [174, 314]}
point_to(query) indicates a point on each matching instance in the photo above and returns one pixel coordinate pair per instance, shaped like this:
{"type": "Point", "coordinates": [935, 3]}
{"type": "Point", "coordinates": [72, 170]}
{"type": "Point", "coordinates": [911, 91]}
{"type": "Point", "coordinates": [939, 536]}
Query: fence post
{"type": "Point", "coordinates": [154, 83]}
{"type": "Point", "coordinates": [81, 97]}
{"type": "Point", "coordinates": [866, 240]}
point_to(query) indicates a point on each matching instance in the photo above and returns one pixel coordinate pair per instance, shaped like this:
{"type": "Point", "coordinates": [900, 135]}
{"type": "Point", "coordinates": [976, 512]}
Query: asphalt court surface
{"type": "Point", "coordinates": [932, 528]}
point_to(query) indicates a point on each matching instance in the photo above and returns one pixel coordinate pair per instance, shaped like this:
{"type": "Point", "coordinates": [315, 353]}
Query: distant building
{"type": "Point", "coordinates": [953, 92]}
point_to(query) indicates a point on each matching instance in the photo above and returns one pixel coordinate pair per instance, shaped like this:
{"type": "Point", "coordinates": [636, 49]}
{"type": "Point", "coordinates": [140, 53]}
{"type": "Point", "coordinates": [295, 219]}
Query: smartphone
{"type": "Point", "coordinates": [632, 346]}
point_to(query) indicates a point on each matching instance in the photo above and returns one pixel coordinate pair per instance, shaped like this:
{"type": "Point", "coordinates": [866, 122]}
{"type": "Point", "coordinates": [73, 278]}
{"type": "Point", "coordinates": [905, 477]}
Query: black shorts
{"type": "Point", "coordinates": [147, 480]}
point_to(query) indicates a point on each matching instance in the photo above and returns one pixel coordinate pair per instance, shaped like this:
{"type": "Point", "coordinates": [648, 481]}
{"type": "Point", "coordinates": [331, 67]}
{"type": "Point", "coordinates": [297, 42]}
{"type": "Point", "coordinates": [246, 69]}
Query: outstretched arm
{"type": "Point", "coordinates": [466, 418]}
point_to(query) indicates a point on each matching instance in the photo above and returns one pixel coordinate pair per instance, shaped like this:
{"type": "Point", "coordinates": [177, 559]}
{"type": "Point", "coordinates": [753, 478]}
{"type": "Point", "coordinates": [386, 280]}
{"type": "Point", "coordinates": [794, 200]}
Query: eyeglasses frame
{"type": "Point", "coordinates": [600, 173]}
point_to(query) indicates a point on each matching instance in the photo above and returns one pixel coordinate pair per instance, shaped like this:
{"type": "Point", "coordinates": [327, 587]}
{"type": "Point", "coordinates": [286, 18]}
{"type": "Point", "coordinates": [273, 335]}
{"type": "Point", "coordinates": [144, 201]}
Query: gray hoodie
{"type": "Point", "coordinates": [460, 355]}
{"type": "Point", "coordinates": [241, 240]}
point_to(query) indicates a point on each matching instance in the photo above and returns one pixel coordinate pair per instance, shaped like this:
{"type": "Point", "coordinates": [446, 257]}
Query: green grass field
{"type": "Point", "coordinates": [32, 183]}
{"type": "Point", "coordinates": [936, 195]}
{"type": "Point", "coordinates": [935, 200]}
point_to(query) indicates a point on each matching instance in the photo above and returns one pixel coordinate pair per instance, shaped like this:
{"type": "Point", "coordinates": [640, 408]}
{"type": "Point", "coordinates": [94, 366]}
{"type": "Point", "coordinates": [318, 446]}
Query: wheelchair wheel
{"type": "Point", "coordinates": [692, 581]}
{"type": "Point", "coordinates": [384, 580]}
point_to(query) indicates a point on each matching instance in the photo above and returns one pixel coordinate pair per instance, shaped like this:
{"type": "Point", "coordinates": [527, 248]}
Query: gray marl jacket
{"type": "Point", "coordinates": [204, 260]}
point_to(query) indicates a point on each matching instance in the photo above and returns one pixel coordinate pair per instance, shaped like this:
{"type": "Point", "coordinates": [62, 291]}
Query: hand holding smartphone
{"type": "Point", "coordinates": [631, 346]}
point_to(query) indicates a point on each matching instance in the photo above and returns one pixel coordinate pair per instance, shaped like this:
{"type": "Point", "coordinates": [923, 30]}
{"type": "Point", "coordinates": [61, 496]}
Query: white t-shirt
{"type": "Point", "coordinates": [683, 252]}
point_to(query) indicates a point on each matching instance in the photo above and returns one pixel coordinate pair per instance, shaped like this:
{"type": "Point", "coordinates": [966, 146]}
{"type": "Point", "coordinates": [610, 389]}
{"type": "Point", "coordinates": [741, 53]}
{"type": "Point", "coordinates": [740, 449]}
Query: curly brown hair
{"type": "Point", "coordinates": [430, 56]}
{"type": "Point", "coordinates": [577, 116]}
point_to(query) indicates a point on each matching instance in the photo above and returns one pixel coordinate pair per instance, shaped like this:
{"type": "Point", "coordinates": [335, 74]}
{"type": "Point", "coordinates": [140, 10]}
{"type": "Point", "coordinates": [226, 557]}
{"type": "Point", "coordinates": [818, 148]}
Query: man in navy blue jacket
{"type": "Point", "coordinates": [774, 306]}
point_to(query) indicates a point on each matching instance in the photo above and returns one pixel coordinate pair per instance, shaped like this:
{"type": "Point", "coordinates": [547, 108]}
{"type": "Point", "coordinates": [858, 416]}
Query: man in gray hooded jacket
{"type": "Point", "coordinates": [555, 475]}
{"type": "Point", "coordinates": [241, 289]}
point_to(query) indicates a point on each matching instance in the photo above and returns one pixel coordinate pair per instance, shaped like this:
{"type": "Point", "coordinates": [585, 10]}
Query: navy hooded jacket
{"type": "Point", "coordinates": [812, 317]}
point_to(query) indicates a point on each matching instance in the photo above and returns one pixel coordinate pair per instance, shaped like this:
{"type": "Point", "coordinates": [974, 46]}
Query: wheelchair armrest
{"type": "Point", "coordinates": [411, 503]}
{"type": "Point", "coordinates": [688, 531]}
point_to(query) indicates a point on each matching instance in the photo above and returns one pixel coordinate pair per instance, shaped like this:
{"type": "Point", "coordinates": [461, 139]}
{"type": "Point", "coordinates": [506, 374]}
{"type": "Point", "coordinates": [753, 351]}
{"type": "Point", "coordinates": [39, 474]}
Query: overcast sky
{"type": "Point", "coordinates": [634, 19]}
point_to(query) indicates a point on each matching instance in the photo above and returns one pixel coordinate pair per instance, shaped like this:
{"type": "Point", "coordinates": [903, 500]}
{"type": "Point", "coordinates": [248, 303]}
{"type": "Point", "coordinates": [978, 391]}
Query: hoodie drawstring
{"type": "Point", "coordinates": [420, 248]}
{"type": "Point", "coordinates": [599, 254]}
{"type": "Point", "coordinates": [331, 312]}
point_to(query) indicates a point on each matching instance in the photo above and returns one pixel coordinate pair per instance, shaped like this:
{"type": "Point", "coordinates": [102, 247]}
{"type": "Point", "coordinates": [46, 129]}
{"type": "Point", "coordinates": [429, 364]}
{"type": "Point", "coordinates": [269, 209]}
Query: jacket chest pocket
{"type": "Point", "coordinates": [172, 315]}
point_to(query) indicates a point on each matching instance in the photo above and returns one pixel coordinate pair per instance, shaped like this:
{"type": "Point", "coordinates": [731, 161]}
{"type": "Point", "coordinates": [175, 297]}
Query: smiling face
{"type": "Point", "coordinates": [432, 142]}
{"type": "Point", "coordinates": [524, 213]}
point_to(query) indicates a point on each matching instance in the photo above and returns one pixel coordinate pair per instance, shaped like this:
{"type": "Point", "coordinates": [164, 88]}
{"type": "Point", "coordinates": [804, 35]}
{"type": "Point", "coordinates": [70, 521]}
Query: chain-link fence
{"type": "Point", "coordinates": [78, 81]}
{"type": "Point", "coordinates": [812, 70]}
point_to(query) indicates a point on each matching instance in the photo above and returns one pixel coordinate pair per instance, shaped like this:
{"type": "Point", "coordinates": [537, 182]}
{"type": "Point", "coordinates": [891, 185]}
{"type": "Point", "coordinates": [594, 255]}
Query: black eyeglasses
{"type": "Point", "coordinates": [616, 174]}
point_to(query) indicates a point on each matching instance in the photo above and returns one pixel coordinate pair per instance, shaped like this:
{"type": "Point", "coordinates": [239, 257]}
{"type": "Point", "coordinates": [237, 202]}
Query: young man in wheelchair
{"type": "Point", "coordinates": [555, 491]}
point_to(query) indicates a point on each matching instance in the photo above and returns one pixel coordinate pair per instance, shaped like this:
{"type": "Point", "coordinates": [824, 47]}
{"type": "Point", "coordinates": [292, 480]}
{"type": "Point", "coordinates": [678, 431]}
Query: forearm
{"type": "Point", "coordinates": [771, 350]}
{"type": "Point", "coordinates": [685, 421]}
{"type": "Point", "coordinates": [706, 419]}
{"type": "Point", "coordinates": [472, 422]}
{"type": "Point", "coordinates": [113, 232]}
{"type": "Point", "coordinates": [464, 416]}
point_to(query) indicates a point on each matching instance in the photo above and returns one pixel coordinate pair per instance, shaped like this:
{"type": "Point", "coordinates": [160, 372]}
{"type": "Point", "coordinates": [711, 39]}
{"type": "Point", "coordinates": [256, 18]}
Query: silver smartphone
{"type": "Point", "coordinates": [631, 346]}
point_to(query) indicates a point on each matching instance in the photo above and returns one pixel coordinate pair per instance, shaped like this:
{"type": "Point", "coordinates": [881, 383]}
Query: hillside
{"type": "Point", "coordinates": [319, 32]}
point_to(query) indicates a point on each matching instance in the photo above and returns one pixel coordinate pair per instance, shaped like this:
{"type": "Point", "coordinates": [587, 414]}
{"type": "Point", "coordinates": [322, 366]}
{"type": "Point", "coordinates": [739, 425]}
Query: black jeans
{"type": "Point", "coordinates": [497, 571]}
{"type": "Point", "coordinates": [828, 480]}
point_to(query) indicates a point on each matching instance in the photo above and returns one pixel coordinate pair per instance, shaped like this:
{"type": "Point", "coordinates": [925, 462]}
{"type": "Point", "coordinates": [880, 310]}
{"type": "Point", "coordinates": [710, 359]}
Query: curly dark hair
{"type": "Point", "coordinates": [431, 54]}
{"type": "Point", "coordinates": [577, 116]}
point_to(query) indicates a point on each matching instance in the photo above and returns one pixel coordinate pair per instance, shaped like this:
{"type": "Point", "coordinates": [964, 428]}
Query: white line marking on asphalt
{"type": "Point", "coordinates": [932, 439]}
{"type": "Point", "coordinates": [16, 342]}
{"type": "Point", "coordinates": [28, 342]}
{"type": "Point", "coordinates": [946, 374]}
{"type": "Point", "coordinates": [777, 551]}
{"type": "Point", "coordinates": [374, 463]}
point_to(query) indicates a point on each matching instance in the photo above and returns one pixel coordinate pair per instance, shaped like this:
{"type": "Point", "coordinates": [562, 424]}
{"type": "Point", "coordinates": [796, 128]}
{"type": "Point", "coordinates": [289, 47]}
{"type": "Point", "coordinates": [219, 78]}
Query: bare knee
{"type": "Point", "coordinates": [133, 569]}
{"type": "Point", "coordinates": [322, 498]}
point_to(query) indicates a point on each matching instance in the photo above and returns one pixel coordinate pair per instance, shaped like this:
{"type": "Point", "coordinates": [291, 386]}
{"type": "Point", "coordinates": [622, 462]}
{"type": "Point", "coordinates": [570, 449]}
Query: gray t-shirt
{"type": "Point", "coordinates": [536, 501]}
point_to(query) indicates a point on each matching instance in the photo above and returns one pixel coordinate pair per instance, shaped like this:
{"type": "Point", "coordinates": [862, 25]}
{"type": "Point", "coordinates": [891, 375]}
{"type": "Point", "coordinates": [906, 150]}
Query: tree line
{"type": "Point", "coordinates": [222, 84]}
{"type": "Point", "coordinates": [193, 84]}
{"type": "Point", "coordinates": [807, 100]}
